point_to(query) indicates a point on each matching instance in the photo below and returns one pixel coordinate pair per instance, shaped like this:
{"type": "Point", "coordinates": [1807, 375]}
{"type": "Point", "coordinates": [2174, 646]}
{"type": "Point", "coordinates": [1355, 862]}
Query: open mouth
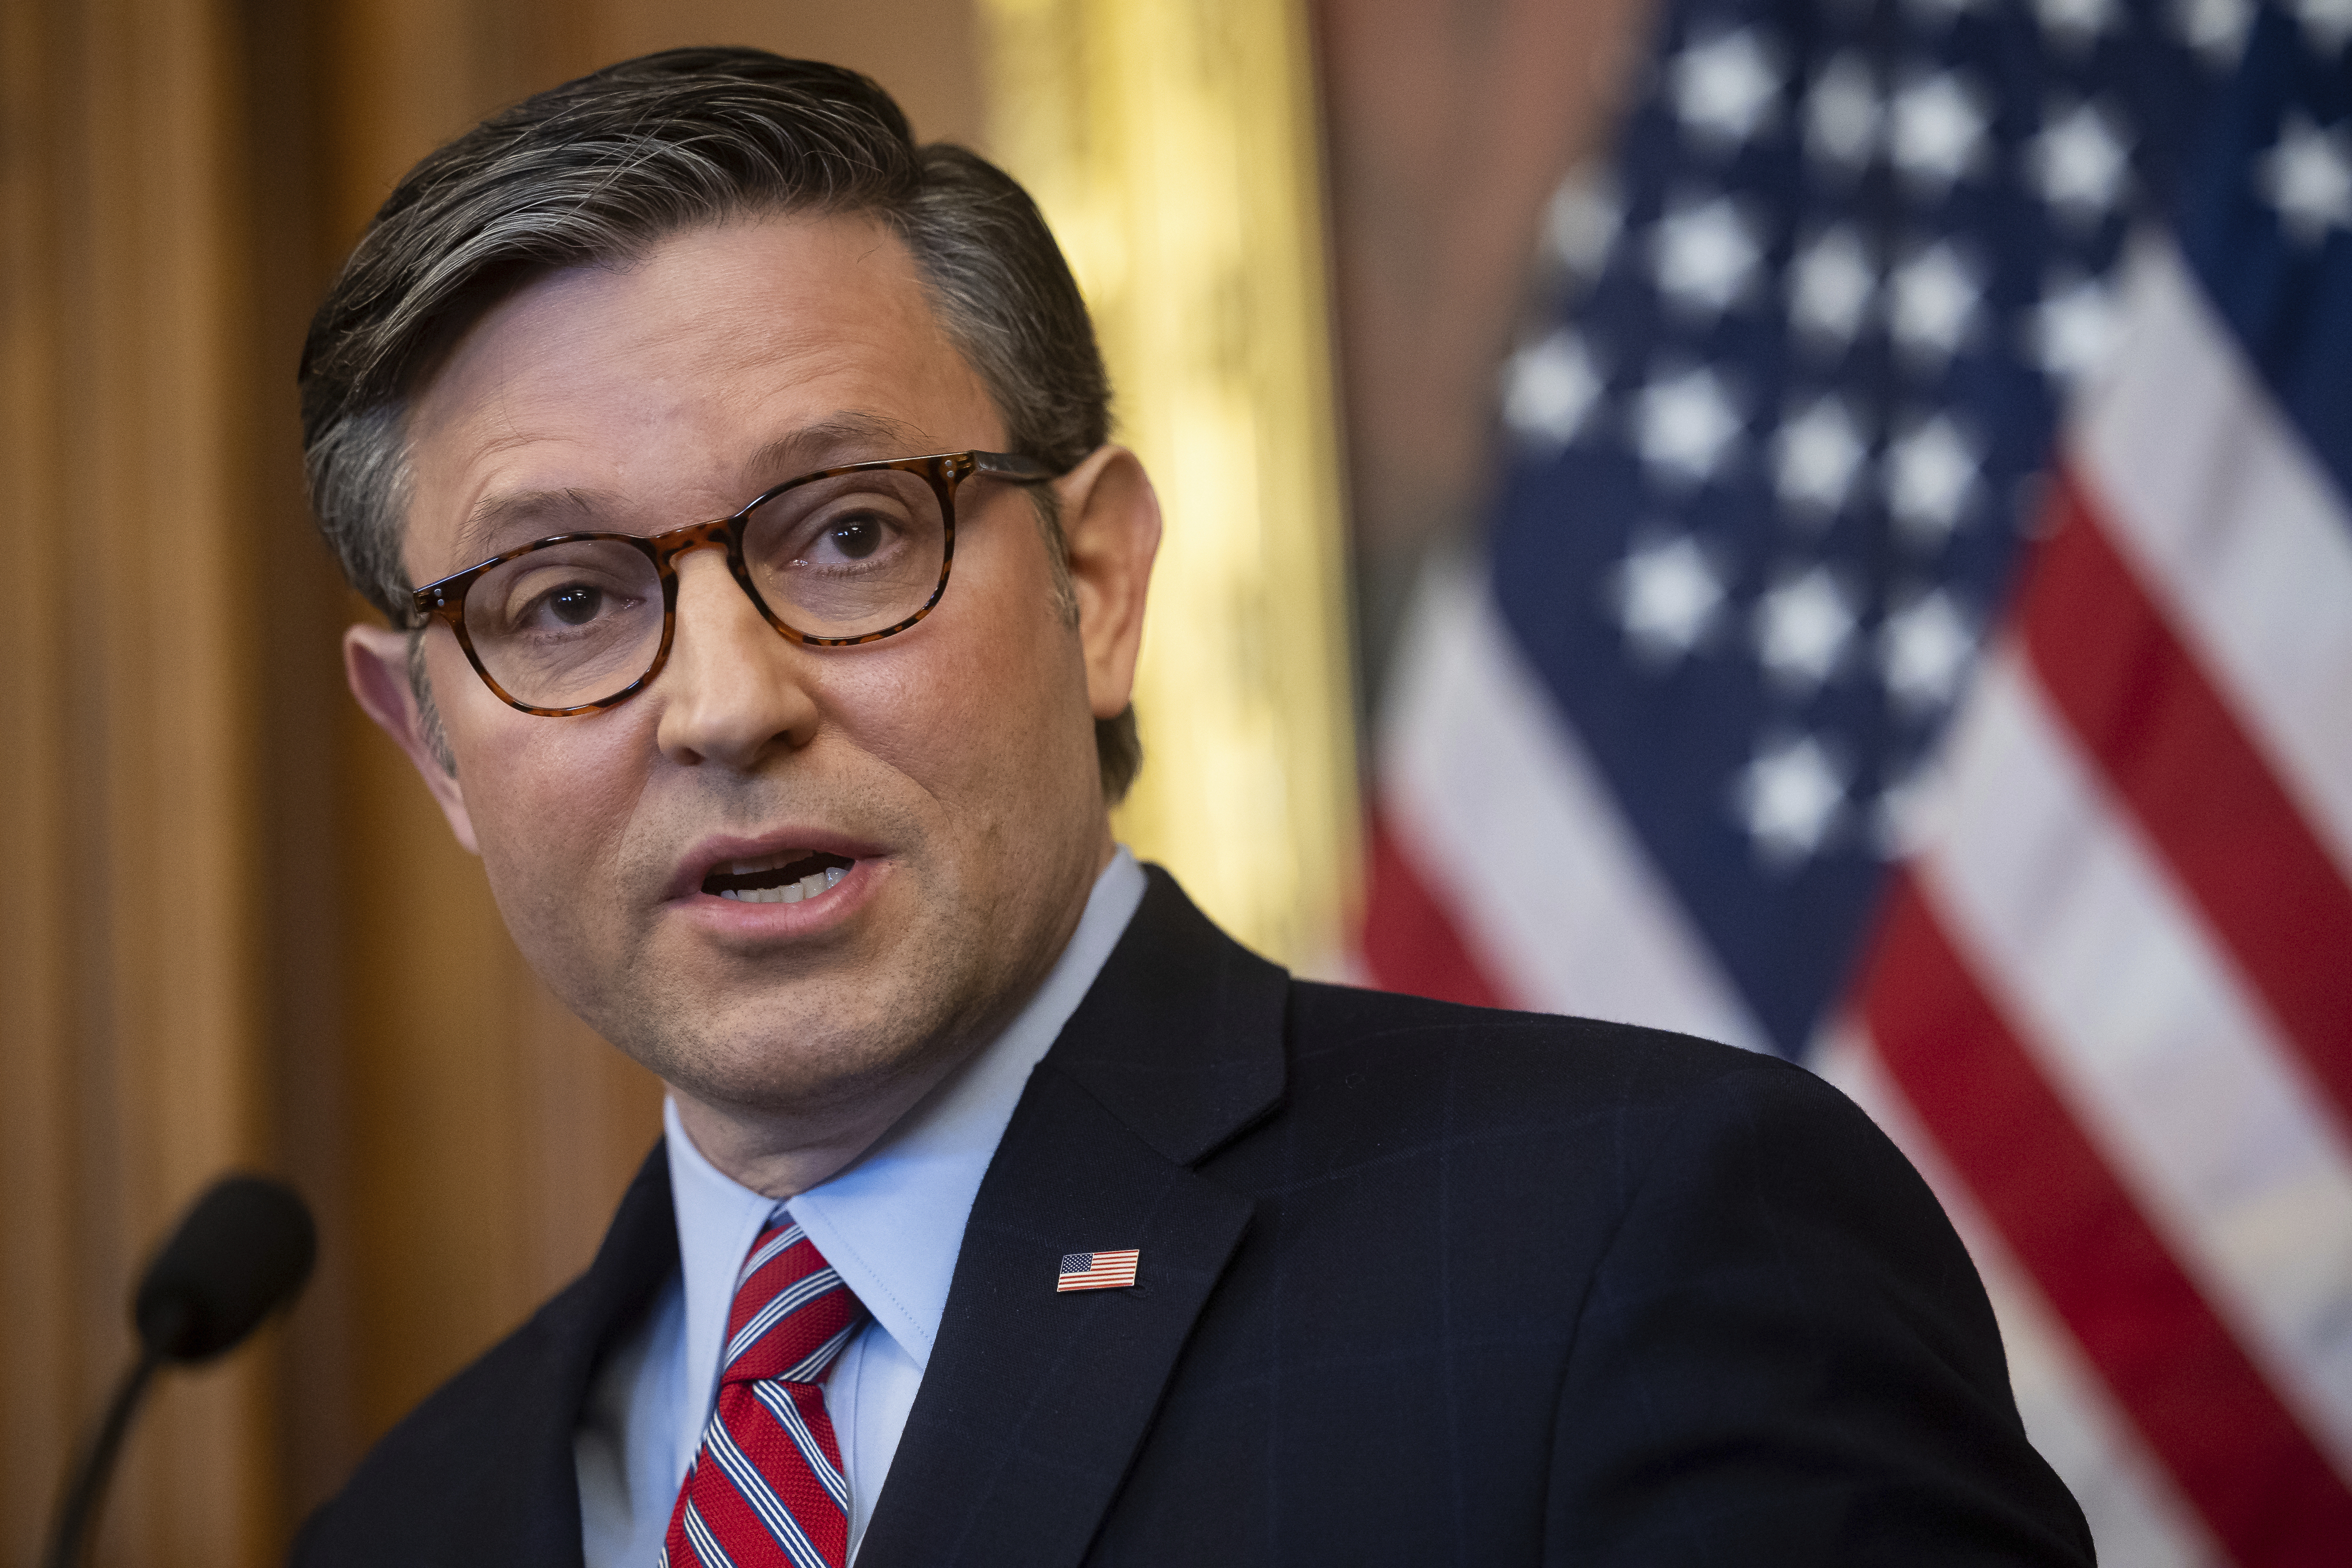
{"type": "Point", "coordinates": [784, 878]}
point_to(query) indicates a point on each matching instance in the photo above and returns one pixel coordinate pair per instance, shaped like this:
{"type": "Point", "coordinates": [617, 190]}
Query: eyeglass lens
{"type": "Point", "coordinates": [574, 623]}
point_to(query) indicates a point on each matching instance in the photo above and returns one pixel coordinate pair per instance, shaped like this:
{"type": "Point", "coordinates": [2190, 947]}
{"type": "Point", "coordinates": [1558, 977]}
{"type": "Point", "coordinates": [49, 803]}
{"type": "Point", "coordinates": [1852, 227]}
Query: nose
{"type": "Point", "coordinates": [734, 689]}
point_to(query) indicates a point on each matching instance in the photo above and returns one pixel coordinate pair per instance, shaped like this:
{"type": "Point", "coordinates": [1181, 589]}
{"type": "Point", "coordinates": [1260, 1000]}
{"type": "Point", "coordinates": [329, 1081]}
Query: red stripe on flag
{"type": "Point", "coordinates": [2172, 749]}
{"type": "Point", "coordinates": [2239, 1455]}
{"type": "Point", "coordinates": [1409, 942]}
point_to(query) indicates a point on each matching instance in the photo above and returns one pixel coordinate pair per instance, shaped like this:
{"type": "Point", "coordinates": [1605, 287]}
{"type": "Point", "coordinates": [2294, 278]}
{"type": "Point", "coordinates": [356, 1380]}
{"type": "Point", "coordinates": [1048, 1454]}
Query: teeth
{"type": "Point", "coordinates": [745, 868]}
{"type": "Point", "coordinates": [809, 886]}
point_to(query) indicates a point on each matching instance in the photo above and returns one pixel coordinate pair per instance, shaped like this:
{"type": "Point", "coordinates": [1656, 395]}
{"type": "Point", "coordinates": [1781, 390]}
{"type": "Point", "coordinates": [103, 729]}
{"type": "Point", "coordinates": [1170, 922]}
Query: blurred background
{"type": "Point", "coordinates": [1818, 523]}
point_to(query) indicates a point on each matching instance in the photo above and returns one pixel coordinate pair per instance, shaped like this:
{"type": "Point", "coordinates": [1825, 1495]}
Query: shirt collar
{"type": "Point", "coordinates": [892, 1222]}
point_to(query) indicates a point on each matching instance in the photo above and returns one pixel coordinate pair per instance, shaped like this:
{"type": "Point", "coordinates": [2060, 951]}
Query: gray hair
{"type": "Point", "coordinates": [598, 171]}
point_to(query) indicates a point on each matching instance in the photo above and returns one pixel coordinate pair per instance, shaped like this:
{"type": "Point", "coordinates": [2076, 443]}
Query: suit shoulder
{"type": "Point", "coordinates": [1570, 1093]}
{"type": "Point", "coordinates": [1330, 1021]}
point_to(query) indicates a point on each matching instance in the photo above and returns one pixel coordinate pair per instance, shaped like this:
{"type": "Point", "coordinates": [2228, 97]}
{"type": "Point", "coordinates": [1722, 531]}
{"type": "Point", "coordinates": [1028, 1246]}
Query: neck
{"type": "Point", "coordinates": [778, 1157]}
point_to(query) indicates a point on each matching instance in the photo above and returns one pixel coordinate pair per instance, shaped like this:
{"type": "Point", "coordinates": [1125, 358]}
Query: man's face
{"type": "Point", "coordinates": [952, 766]}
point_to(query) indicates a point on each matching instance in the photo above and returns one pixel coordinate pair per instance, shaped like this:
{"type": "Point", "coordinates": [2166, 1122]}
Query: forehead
{"type": "Point", "coordinates": [677, 383]}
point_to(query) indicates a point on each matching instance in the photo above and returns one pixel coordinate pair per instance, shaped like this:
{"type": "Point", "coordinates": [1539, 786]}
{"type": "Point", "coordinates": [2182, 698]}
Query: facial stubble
{"type": "Point", "coordinates": [805, 1033]}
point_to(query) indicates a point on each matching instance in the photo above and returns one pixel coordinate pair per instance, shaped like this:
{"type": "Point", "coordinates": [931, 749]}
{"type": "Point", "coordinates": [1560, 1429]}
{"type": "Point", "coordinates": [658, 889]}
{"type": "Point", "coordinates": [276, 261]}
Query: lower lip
{"type": "Point", "coordinates": [741, 917]}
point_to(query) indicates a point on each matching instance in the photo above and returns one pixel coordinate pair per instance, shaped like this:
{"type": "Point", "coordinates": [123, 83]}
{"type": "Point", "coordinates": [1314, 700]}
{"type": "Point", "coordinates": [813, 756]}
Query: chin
{"type": "Point", "coordinates": [747, 1063]}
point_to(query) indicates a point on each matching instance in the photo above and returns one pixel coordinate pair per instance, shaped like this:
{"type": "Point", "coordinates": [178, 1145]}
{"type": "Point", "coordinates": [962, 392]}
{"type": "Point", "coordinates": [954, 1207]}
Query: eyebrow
{"type": "Point", "coordinates": [564, 511]}
{"type": "Point", "coordinates": [851, 436]}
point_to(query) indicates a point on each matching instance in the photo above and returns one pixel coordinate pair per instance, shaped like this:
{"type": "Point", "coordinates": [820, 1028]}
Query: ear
{"type": "Point", "coordinates": [375, 662]}
{"type": "Point", "coordinates": [1110, 522]}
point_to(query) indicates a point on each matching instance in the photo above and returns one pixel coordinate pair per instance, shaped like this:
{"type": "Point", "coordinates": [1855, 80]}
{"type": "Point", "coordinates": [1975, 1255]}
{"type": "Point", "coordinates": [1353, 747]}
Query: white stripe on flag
{"type": "Point", "coordinates": [2236, 529]}
{"type": "Point", "coordinates": [2136, 1515]}
{"type": "Point", "coordinates": [2113, 985]}
{"type": "Point", "coordinates": [1511, 826]}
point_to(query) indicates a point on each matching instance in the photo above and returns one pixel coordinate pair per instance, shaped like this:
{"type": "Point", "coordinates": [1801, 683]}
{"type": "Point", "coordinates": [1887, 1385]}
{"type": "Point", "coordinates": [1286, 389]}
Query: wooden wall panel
{"type": "Point", "coordinates": [131, 1015]}
{"type": "Point", "coordinates": [41, 1382]}
{"type": "Point", "coordinates": [924, 51]}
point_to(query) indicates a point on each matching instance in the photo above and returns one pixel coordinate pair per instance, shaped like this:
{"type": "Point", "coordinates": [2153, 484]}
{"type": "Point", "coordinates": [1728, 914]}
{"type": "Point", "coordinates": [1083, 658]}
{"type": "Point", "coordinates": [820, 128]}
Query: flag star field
{"type": "Point", "coordinates": [1914, 636]}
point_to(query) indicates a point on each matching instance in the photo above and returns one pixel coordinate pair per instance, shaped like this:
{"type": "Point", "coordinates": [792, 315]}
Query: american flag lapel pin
{"type": "Point", "coordinates": [1097, 1270]}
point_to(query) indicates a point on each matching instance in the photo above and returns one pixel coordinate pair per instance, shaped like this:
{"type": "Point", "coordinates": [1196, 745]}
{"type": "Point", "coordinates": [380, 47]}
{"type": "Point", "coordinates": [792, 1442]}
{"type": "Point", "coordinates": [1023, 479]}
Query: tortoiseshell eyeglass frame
{"type": "Point", "coordinates": [445, 600]}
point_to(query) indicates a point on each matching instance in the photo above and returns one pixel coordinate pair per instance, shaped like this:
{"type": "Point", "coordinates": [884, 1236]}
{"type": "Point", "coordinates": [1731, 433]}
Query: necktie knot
{"type": "Point", "coordinates": [791, 1313]}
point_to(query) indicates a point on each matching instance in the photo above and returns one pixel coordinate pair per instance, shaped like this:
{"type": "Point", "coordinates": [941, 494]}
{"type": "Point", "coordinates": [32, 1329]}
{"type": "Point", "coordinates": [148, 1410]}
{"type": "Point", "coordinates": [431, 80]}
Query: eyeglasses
{"type": "Point", "coordinates": [578, 622]}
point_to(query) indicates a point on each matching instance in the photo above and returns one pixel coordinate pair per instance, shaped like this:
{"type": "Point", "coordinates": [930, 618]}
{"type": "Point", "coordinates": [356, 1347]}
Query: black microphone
{"type": "Point", "coordinates": [245, 1248]}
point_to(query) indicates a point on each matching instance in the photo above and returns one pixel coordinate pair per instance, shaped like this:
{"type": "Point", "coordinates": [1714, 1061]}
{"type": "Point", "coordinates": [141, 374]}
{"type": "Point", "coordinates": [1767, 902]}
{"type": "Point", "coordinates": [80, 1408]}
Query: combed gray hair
{"type": "Point", "coordinates": [601, 169]}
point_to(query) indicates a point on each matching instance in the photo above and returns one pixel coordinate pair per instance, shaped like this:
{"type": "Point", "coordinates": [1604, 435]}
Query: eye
{"type": "Point", "coordinates": [856, 538]}
{"type": "Point", "coordinates": [575, 604]}
{"type": "Point", "coordinates": [857, 532]}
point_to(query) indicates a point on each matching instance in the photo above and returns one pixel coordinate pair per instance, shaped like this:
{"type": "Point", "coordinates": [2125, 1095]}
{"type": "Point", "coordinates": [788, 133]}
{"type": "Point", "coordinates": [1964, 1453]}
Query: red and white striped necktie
{"type": "Point", "coordinates": [766, 1486]}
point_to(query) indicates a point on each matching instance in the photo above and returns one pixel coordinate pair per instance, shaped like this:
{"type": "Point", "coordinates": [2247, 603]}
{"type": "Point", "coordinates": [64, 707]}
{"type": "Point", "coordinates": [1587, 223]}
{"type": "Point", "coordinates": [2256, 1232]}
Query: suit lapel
{"type": "Point", "coordinates": [1035, 1401]}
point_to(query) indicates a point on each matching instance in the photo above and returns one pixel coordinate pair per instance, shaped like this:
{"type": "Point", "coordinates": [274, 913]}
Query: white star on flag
{"type": "Point", "coordinates": [1788, 797]}
{"type": "Point", "coordinates": [2308, 178]}
{"type": "Point", "coordinates": [1819, 453]}
{"type": "Point", "coordinates": [1723, 87]}
{"type": "Point", "coordinates": [2075, 23]}
{"type": "Point", "coordinates": [1686, 423]}
{"type": "Point", "coordinates": [2216, 29]}
{"type": "Point", "coordinates": [1932, 304]}
{"type": "Point", "coordinates": [1580, 223]}
{"type": "Point", "coordinates": [1668, 596]}
{"type": "Point", "coordinates": [1802, 627]}
{"type": "Point", "coordinates": [1707, 254]}
{"type": "Point", "coordinates": [2329, 23]}
{"type": "Point", "coordinates": [1938, 130]}
{"type": "Point", "coordinates": [1924, 649]}
{"type": "Point", "coordinates": [1550, 387]}
{"type": "Point", "coordinates": [2079, 164]}
{"type": "Point", "coordinates": [2073, 327]}
{"type": "Point", "coordinates": [1830, 286]}
{"type": "Point", "coordinates": [1931, 475]}
{"type": "Point", "coordinates": [1844, 115]}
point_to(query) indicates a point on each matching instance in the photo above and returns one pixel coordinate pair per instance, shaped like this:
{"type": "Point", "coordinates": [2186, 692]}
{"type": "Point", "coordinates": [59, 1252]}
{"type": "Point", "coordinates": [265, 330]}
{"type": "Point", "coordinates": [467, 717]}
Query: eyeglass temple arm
{"type": "Point", "coordinates": [1011, 466]}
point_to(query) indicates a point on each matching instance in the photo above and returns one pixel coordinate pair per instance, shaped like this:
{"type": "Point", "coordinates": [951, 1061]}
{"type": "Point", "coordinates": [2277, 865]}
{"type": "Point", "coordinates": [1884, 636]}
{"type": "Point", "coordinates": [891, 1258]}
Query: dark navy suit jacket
{"type": "Point", "coordinates": [1419, 1283]}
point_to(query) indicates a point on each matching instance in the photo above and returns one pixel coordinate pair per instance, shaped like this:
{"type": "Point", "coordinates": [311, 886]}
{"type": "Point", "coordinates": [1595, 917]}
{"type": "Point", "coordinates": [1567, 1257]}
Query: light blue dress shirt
{"type": "Point", "coordinates": [890, 1224]}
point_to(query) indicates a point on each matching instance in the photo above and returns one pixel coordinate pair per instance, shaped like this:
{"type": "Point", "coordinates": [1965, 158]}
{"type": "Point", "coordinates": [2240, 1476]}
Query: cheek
{"type": "Point", "coordinates": [551, 808]}
{"type": "Point", "coordinates": [986, 716]}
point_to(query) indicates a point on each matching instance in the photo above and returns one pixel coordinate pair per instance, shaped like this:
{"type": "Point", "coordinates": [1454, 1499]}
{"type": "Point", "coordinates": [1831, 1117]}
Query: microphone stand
{"type": "Point", "coordinates": [70, 1536]}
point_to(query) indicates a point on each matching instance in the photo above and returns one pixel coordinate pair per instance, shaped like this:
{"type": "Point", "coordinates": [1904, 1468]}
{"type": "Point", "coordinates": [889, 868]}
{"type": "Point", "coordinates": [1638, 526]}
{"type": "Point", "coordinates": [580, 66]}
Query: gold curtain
{"type": "Point", "coordinates": [1173, 146]}
{"type": "Point", "coordinates": [133, 1067]}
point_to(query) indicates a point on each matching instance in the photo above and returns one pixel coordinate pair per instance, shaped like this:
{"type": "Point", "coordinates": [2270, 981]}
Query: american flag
{"type": "Point", "coordinates": [1097, 1270]}
{"type": "Point", "coordinates": [1915, 637]}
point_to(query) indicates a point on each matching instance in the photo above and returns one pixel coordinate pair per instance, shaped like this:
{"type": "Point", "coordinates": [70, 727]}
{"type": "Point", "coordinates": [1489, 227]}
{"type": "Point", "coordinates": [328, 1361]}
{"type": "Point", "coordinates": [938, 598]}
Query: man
{"type": "Point", "coordinates": [1007, 1211]}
